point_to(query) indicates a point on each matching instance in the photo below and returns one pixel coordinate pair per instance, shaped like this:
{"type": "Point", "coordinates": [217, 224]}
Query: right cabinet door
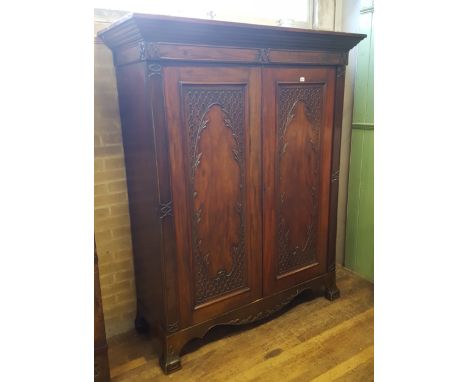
{"type": "Point", "coordinates": [297, 144]}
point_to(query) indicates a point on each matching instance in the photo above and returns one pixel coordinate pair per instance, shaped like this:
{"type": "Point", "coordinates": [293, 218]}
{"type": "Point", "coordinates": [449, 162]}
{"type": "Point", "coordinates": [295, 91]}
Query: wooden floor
{"type": "Point", "coordinates": [310, 340]}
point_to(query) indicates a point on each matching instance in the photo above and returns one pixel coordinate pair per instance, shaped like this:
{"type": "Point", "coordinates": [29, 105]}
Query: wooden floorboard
{"type": "Point", "coordinates": [313, 339]}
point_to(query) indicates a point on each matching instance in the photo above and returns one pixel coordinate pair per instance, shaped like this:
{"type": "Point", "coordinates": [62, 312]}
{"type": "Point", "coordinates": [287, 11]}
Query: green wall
{"type": "Point", "coordinates": [359, 246]}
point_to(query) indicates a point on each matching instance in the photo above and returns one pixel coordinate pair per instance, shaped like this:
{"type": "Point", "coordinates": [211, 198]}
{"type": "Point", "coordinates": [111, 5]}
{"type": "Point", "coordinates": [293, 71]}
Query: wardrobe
{"type": "Point", "coordinates": [232, 138]}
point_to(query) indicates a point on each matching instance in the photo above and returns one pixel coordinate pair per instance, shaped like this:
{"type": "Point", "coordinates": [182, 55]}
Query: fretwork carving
{"type": "Point", "coordinates": [293, 255]}
{"type": "Point", "coordinates": [198, 101]}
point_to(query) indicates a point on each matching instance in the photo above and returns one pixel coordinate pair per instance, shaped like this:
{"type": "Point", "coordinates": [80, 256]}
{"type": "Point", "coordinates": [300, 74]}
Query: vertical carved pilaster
{"type": "Point", "coordinates": [142, 47]}
{"type": "Point", "coordinates": [173, 327]}
{"type": "Point", "coordinates": [340, 71]}
{"type": "Point", "coordinates": [165, 209]}
{"type": "Point", "coordinates": [333, 214]}
{"type": "Point", "coordinates": [153, 51]}
{"type": "Point", "coordinates": [263, 56]}
{"type": "Point", "coordinates": [154, 70]}
{"type": "Point", "coordinates": [149, 51]}
{"type": "Point", "coordinates": [335, 176]}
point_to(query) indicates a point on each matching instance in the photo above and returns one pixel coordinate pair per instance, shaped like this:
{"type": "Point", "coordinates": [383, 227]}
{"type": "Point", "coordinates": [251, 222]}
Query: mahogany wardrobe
{"type": "Point", "coordinates": [232, 138]}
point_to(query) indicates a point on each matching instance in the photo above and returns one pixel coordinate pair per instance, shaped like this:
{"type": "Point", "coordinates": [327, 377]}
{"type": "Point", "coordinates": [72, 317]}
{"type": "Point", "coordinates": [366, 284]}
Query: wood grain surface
{"type": "Point", "coordinates": [230, 174]}
{"type": "Point", "coordinates": [311, 340]}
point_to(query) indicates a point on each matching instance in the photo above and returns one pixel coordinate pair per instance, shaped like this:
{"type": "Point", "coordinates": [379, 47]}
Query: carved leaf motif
{"type": "Point", "coordinates": [300, 109]}
{"type": "Point", "coordinates": [267, 312]}
{"type": "Point", "coordinates": [199, 100]}
{"type": "Point", "coordinates": [165, 209]}
{"type": "Point", "coordinates": [173, 327]}
{"type": "Point", "coordinates": [197, 159]}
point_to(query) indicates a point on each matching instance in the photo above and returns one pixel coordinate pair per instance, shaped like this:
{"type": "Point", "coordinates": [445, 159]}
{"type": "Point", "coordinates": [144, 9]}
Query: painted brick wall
{"type": "Point", "coordinates": [111, 216]}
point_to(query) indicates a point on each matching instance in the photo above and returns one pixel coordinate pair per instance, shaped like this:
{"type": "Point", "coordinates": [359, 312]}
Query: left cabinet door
{"type": "Point", "coordinates": [213, 121]}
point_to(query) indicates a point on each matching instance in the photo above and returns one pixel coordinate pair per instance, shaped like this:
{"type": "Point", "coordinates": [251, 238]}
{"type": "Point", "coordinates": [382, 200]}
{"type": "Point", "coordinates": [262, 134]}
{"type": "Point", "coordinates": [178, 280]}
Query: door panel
{"type": "Point", "coordinates": [297, 132]}
{"type": "Point", "coordinates": [214, 125]}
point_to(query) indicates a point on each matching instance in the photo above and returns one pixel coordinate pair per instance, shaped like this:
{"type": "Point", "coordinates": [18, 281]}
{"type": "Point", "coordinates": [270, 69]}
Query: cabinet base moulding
{"type": "Point", "coordinates": [172, 344]}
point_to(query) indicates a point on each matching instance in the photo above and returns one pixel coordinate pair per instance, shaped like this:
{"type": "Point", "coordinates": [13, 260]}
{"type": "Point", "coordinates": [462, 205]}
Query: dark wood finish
{"type": "Point", "coordinates": [101, 361]}
{"type": "Point", "coordinates": [141, 123]}
{"type": "Point", "coordinates": [296, 173]}
{"type": "Point", "coordinates": [156, 28]}
{"type": "Point", "coordinates": [231, 135]}
{"type": "Point", "coordinates": [307, 57]}
{"type": "Point", "coordinates": [332, 291]}
{"type": "Point", "coordinates": [165, 52]}
{"type": "Point", "coordinates": [214, 130]}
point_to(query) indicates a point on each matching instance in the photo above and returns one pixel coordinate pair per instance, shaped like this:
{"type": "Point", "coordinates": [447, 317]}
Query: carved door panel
{"type": "Point", "coordinates": [297, 142]}
{"type": "Point", "coordinates": [213, 120]}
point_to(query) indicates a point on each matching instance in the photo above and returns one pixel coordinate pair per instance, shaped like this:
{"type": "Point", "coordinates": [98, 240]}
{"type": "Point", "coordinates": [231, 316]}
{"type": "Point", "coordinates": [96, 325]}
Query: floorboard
{"type": "Point", "coordinates": [312, 339]}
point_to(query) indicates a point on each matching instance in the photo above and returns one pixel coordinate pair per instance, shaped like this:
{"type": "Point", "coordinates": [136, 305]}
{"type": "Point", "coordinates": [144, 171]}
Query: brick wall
{"type": "Point", "coordinates": [111, 216]}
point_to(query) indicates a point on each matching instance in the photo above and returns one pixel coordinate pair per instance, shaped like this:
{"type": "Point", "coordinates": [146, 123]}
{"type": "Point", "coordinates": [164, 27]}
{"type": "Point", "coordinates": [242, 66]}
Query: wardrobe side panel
{"type": "Point", "coordinates": [143, 193]}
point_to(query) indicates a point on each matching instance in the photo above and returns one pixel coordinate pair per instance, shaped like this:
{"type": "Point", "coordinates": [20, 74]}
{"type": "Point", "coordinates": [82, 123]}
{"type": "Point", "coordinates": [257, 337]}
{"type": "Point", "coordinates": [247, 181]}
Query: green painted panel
{"type": "Point", "coordinates": [364, 246]}
{"type": "Point", "coordinates": [370, 78]}
{"type": "Point", "coordinates": [359, 245]}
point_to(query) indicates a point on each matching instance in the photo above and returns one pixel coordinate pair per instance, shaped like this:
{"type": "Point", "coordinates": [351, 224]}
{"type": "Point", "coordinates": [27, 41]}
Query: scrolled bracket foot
{"type": "Point", "coordinates": [169, 359]}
